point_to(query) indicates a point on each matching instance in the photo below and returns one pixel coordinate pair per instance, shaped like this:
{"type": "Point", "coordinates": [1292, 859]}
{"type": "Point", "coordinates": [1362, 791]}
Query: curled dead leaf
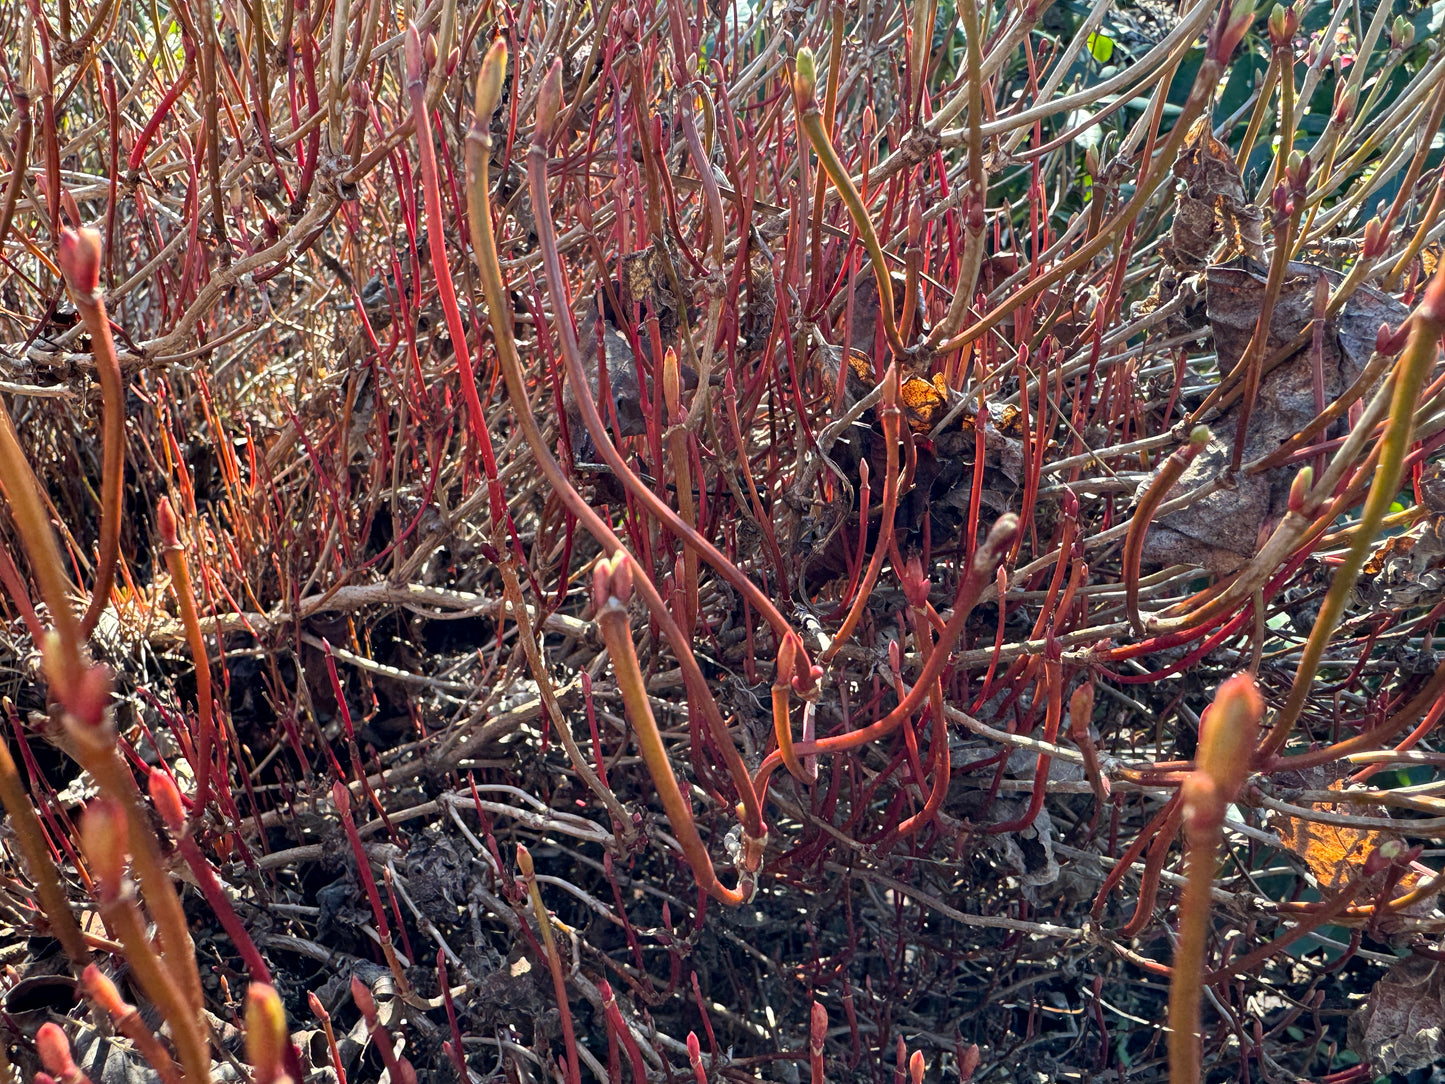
{"type": "Point", "coordinates": [1401, 1025]}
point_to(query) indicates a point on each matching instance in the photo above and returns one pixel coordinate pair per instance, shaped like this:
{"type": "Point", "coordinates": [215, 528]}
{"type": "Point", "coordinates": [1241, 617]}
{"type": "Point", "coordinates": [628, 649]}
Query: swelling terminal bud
{"type": "Point", "coordinates": [166, 797]}
{"type": "Point", "coordinates": [1299, 490]}
{"type": "Point", "coordinates": [1402, 34]}
{"type": "Point", "coordinates": [524, 862]}
{"type": "Point", "coordinates": [79, 259]}
{"type": "Point", "coordinates": [1227, 736]}
{"type": "Point", "coordinates": [819, 1031]}
{"type": "Point", "coordinates": [101, 990]}
{"type": "Point", "coordinates": [915, 584]}
{"type": "Point", "coordinates": [54, 1050]}
{"type": "Point", "coordinates": [1347, 96]}
{"type": "Point", "coordinates": [490, 79]}
{"type": "Point", "coordinates": [411, 52]}
{"type": "Point", "coordinates": [1287, 25]}
{"type": "Point", "coordinates": [805, 79]}
{"type": "Point", "coordinates": [103, 839]}
{"type": "Point", "coordinates": [266, 1034]}
{"type": "Point", "coordinates": [1229, 31]}
{"type": "Point", "coordinates": [1375, 240]}
{"type": "Point", "coordinates": [1297, 171]}
{"type": "Point", "coordinates": [166, 524]}
{"type": "Point", "coordinates": [549, 103]}
{"type": "Point", "coordinates": [611, 579]}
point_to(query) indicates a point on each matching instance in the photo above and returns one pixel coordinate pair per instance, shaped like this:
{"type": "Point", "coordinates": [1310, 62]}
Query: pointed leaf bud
{"type": "Point", "coordinates": [969, 1063]}
{"type": "Point", "coordinates": [1227, 735]}
{"type": "Point", "coordinates": [266, 1034]}
{"type": "Point", "coordinates": [1279, 199]}
{"type": "Point", "coordinates": [524, 862]}
{"type": "Point", "coordinates": [1432, 305]}
{"type": "Point", "coordinates": [104, 840]}
{"type": "Point", "coordinates": [914, 583]}
{"type": "Point", "coordinates": [1070, 502]}
{"type": "Point", "coordinates": [54, 1050]}
{"type": "Point", "coordinates": [1347, 97]}
{"type": "Point", "coordinates": [1299, 490]}
{"type": "Point", "coordinates": [1278, 26]}
{"type": "Point", "coordinates": [1375, 239]}
{"type": "Point", "coordinates": [167, 799]}
{"type": "Point", "coordinates": [672, 386]}
{"type": "Point", "coordinates": [1384, 856]}
{"type": "Point", "coordinates": [166, 524]}
{"type": "Point", "coordinates": [1389, 342]}
{"type": "Point", "coordinates": [1297, 170]}
{"type": "Point", "coordinates": [411, 52]}
{"type": "Point", "coordinates": [1081, 709]}
{"type": "Point", "coordinates": [490, 80]}
{"type": "Point", "coordinates": [805, 79]}
{"type": "Point", "coordinates": [549, 104]}
{"type": "Point", "coordinates": [1230, 29]}
{"type": "Point", "coordinates": [915, 1067]}
{"type": "Point", "coordinates": [612, 578]}
{"type": "Point", "coordinates": [819, 1029]}
{"type": "Point", "coordinates": [1402, 33]}
{"type": "Point", "coordinates": [83, 691]}
{"type": "Point", "coordinates": [101, 990]}
{"type": "Point", "coordinates": [79, 259]}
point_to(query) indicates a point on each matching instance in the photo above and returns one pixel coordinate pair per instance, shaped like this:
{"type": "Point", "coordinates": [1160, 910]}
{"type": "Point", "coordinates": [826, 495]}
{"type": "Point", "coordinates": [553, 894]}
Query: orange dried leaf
{"type": "Point", "coordinates": [923, 401]}
{"type": "Point", "coordinates": [1010, 421]}
{"type": "Point", "coordinates": [1430, 257]}
{"type": "Point", "coordinates": [862, 366]}
{"type": "Point", "coordinates": [1394, 546]}
{"type": "Point", "coordinates": [1335, 854]}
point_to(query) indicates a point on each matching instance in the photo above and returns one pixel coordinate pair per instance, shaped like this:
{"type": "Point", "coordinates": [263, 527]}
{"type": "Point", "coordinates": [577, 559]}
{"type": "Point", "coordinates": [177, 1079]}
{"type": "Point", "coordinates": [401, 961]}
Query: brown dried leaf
{"type": "Point", "coordinates": [1212, 207]}
{"type": "Point", "coordinates": [1405, 570]}
{"type": "Point", "coordinates": [1401, 1025]}
{"type": "Point", "coordinates": [645, 280]}
{"type": "Point", "coordinates": [1223, 530]}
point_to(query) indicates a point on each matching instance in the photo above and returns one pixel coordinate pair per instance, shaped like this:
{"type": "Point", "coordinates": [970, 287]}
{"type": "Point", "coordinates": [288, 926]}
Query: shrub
{"type": "Point", "coordinates": [706, 539]}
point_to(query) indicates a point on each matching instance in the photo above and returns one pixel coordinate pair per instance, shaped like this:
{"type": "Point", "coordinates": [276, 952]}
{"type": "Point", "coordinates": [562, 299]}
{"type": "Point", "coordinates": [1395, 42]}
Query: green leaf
{"type": "Point", "coordinates": [1101, 47]}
